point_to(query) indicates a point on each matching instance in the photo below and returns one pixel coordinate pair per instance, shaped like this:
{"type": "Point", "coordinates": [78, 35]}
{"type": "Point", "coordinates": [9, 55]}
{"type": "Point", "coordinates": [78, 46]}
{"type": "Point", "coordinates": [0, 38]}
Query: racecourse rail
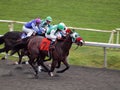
{"type": "Point", "coordinates": [96, 44]}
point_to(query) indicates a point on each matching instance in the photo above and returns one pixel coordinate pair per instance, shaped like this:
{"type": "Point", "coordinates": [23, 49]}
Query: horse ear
{"type": "Point", "coordinates": [73, 30]}
{"type": "Point", "coordinates": [68, 31]}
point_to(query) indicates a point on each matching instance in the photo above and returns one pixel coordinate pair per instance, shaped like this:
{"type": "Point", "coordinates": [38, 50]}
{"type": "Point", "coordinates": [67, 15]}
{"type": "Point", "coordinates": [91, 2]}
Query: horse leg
{"type": "Point", "coordinates": [6, 56]}
{"type": "Point", "coordinates": [67, 66]}
{"type": "Point", "coordinates": [59, 64]}
{"type": "Point", "coordinates": [3, 50]}
{"type": "Point", "coordinates": [31, 62]}
{"type": "Point", "coordinates": [20, 58]}
{"type": "Point", "coordinates": [53, 65]}
{"type": "Point", "coordinates": [40, 63]}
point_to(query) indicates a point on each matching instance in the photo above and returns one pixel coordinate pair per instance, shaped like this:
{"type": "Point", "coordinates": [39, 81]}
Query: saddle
{"type": "Point", "coordinates": [45, 44]}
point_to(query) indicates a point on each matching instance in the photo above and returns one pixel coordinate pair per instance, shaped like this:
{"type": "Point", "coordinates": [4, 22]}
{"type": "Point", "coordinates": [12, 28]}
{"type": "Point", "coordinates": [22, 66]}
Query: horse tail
{"type": "Point", "coordinates": [1, 39]}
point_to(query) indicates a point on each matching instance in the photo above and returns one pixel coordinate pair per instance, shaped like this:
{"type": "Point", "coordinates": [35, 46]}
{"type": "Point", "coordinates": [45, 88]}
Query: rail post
{"type": "Point", "coordinates": [11, 26]}
{"type": "Point", "coordinates": [118, 33]}
{"type": "Point", "coordinates": [111, 39]}
{"type": "Point", "coordinates": [105, 57]}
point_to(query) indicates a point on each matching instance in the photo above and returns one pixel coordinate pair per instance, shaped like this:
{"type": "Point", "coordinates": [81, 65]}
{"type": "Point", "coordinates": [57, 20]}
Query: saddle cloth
{"type": "Point", "coordinates": [45, 44]}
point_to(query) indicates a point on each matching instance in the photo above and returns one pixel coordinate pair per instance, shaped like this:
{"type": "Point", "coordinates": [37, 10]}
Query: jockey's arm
{"type": "Point", "coordinates": [34, 27]}
{"type": "Point", "coordinates": [63, 33]}
{"type": "Point", "coordinates": [41, 30]}
{"type": "Point", "coordinates": [58, 35]}
{"type": "Point", "coordinates": [52, 34]}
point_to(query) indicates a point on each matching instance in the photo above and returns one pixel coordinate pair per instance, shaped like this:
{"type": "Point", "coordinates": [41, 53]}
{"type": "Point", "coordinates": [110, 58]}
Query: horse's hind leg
{"type": "Point", "coordinates": [5, 57]}
{"type": "Point", "coordinates": [4, 50]}
{"type": "Point", "coordinates": [31, 62]}
{"type": "Point", "coordinates": [67, 67]}
{"type": "Point", "coordinates": [20, 57]}
{"type": "Point", "coordinates": [40, 63]}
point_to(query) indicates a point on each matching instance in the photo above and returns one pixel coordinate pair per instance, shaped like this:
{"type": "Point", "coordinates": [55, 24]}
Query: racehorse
{"type": "Point", "coordinates": [9, 39]}
{"type": "Point", "coordinates": [59, 53]}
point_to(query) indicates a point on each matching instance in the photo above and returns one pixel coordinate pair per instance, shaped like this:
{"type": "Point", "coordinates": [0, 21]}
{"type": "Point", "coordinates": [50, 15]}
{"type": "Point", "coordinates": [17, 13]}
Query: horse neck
{"type": "Point", "coordinates": [67, 43]}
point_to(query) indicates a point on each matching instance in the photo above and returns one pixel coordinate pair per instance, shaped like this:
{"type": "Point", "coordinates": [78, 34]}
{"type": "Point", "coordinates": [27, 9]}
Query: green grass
{"type": "Point", "coordinates": [94, 57]}
{"type": "Point", "coordinates": [96, 14]}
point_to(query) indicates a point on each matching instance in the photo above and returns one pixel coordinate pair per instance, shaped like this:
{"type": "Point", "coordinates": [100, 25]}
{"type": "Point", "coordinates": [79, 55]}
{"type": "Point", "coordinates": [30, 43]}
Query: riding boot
{"type": "Point", "coordinates": [23, 36]}
{"type": "Point", "coordinates": [52, 45]}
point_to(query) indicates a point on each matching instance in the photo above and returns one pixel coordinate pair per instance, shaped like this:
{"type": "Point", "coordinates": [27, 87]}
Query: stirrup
{"type": "Point", "coordinates": [52, 47]}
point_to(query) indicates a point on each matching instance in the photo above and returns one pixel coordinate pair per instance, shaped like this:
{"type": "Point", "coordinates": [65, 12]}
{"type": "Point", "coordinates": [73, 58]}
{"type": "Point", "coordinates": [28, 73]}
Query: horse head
{"type": "Point", "coordinates": [76, 38]}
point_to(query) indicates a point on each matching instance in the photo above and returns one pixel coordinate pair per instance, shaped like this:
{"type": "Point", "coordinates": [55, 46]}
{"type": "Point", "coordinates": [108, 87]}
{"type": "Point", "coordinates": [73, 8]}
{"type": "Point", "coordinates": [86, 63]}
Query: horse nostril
{"type": "Point", "coordinates": [81, 43]}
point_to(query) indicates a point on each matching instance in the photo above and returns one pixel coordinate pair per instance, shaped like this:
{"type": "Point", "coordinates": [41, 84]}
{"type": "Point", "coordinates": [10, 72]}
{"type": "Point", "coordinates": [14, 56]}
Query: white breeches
{"type": "Point", "coordinates": [28, 31]}
{"type": "Point", "coordinates": [52, 36]}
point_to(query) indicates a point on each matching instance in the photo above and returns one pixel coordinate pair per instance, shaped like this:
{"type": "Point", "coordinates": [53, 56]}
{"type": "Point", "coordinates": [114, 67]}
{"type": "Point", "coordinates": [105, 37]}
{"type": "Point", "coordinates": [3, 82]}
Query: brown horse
{"type": "Point", "coordinates": [59, 53]}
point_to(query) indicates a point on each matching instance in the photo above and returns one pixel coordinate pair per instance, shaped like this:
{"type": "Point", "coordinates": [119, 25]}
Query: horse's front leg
{"type": "Point", "coordinates": [53, 65]}
{"type": "Point", "coordinates": [67, 66]}
{"type": "Point", "coordinates": [58, 64]}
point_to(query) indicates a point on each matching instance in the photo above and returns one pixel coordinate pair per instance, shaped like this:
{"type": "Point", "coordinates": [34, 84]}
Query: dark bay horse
{"type": "Point", "coordinates": [59, 53]}
{"type": "Point", "coordinates": [9, 39]}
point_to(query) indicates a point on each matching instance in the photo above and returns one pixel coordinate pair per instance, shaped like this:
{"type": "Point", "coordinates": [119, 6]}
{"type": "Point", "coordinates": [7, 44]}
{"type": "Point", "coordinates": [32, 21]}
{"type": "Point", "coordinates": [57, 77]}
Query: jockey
{"type": "Point", "coordinates": [65, 28]}
{"type": "Point", "coordinates": [32, 27]}
{"type": "Point", "coordinates": [55, 32]}
{"type": "Point", "coordinates": [45, 24]}
{"type": "Point", "coordinates": [64, 25]}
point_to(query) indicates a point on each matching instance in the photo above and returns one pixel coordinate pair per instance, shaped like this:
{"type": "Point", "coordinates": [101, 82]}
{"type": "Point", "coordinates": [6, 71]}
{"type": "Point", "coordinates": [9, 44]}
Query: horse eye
{"type": "Point", "coordinates": [75, 35]}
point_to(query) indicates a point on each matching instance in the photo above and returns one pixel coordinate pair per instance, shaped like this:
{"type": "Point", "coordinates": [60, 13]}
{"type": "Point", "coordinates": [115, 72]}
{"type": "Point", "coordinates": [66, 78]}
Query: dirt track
{"type": "Point", "coordinates": [14, 77]}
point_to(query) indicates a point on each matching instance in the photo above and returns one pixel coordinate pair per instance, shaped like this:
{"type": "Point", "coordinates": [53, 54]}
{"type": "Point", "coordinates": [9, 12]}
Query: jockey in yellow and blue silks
{"type": "Point", "coordinates": [45, 23]}
{"type": "Point", "coordinates": [32, 27]}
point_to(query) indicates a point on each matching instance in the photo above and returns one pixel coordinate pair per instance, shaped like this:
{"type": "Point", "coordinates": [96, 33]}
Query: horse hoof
{"type": "Point", "coordinates": [59, 72]}
{"type": "Point", "coordinates": [15, 63]}
{"type": "Point", "coordinates": [3, 58]}
{"type": "Point", "coordinates": [51, 74]}
{"type": "Point", "coordinates": [36, 76]}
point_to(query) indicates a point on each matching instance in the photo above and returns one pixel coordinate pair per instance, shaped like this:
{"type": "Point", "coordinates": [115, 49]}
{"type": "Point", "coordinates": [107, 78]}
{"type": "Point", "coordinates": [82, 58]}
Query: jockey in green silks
{"type": "Point", "coordinates": [55, 32]}
{"type": "Point", "coordinates": [45, 23]}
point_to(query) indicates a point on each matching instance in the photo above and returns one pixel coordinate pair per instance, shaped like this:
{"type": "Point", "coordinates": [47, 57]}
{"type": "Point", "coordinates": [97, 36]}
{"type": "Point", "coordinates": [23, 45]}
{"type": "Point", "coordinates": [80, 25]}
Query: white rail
{"type": "Point", "coordinates": [88, 29]}
{"type": "Point", "coordinates": [104, 45]}
{"type": "Point", "coordinates": [12, 21]}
